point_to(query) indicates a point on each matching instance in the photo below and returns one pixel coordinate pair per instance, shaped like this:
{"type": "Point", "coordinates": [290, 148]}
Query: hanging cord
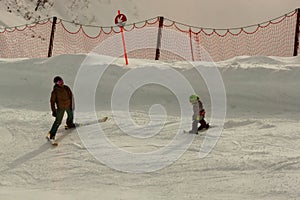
{"type": "Point", "coordinates": [234, 28]}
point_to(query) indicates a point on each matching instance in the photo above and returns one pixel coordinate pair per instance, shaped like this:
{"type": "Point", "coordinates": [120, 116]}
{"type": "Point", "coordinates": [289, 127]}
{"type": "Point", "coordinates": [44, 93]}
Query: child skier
{"type": "Point", "coordinates": [61, 100]}
{"type": "Point", "coordinates": [198, 115]}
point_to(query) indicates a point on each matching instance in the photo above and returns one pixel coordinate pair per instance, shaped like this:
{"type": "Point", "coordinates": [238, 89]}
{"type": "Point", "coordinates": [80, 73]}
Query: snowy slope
{"type": "Point", "coordinates": [256, 157]}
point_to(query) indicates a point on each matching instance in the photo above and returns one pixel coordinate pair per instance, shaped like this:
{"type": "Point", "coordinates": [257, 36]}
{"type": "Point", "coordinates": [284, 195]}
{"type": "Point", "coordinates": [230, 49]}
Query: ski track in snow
{"type": "Point", "coordinates": [256, 157]}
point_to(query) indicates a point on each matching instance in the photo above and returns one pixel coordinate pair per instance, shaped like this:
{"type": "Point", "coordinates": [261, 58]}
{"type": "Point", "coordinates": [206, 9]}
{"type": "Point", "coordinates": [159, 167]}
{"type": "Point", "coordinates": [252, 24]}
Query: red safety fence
{"type": "Point", "coordinates": [157, 38]}
{"type": "Point", "coordinates": [29, 41]}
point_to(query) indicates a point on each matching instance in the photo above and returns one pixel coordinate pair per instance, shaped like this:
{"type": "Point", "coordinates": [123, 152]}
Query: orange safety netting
{"type": "Point", "coordinates": [273, 38]}
{"type": "Point", "coordinates": [175, 41]}
{"type": "Point", "coordinates": [29, 41]}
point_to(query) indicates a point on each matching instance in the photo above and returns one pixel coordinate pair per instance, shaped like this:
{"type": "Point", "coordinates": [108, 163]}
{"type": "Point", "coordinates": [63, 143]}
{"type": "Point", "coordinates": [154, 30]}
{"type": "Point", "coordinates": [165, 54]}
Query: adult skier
{"type": "Point", "coordinates": [61, 101]}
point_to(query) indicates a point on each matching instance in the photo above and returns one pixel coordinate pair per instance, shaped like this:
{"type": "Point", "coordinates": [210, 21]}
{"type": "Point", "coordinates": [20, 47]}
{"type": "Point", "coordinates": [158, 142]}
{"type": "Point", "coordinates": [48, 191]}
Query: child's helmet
{"type": "Point", "coordinates": [194, 98]}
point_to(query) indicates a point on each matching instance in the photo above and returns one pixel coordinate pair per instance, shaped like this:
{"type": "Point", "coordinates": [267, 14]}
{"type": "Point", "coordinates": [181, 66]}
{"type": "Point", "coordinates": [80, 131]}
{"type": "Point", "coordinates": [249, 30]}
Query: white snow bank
{"type": "Point", "coordinates": [259, 86]}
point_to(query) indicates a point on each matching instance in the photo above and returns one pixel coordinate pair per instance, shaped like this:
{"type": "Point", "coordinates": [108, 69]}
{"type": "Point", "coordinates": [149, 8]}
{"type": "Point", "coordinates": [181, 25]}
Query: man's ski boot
{"type": "Point", "coordinates": [68, 126]}
{"type": "Point", "coordinates": [51, 140]}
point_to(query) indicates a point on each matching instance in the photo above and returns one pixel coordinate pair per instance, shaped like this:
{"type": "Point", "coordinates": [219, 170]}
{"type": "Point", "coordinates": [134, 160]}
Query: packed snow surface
{"type": "Point", "coordinates": [257, 155]}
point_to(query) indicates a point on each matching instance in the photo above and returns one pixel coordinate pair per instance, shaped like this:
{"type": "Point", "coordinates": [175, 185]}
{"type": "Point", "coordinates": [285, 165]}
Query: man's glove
{"type": "Point", "coordinates": [54, 113]}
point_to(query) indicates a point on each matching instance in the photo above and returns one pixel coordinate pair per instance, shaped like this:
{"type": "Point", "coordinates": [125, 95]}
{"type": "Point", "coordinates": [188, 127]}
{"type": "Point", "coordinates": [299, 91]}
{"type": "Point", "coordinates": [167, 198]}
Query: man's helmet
{"type": "Point", "coordinates": [57, 78]}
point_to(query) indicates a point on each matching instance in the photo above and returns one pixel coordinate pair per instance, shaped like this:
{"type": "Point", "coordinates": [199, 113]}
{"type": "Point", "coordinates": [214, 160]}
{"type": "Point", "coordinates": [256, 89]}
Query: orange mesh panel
{"type": "Point", "coordinates": [270, 39]}
{"type": "Point", "coordinates": [77, 41]}
{"type": "Point", "coordinates": [141, 40]}
{"type": "Point", "coordinates": [108, 41]}
{"type": "Point", "coordinates": [176, 44]}
{"type": "Point", "coordinates": [30, 41]}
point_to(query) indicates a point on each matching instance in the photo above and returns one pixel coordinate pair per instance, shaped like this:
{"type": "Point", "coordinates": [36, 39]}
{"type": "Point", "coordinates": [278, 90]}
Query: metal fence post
{"type": "Point", "coordinates": [159, 35]}
{"type": "Point", "coordinates": [296, 47]}
{"type": "Point", "coordinates": [52, 37]}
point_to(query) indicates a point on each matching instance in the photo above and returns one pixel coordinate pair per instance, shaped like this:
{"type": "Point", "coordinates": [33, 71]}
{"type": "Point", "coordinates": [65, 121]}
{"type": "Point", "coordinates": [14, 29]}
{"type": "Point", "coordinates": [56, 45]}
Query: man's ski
{"type": "Point", "coordinates": [104, 119]}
